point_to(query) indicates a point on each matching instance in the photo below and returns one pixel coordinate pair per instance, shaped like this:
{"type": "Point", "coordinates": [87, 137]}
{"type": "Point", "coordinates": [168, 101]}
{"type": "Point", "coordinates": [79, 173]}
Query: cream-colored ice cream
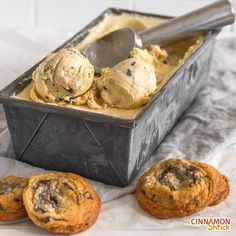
{"type": "Point", "coordinates": [128, 84]}
{"type": "Point", "coordinates": [125, 96]}
{"type": "Point", "coordinates": [62, 76]}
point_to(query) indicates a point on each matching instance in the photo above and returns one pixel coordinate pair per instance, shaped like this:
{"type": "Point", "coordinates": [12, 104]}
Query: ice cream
{"type": "Point", "coordinates": [62, 76]}
{"type": "Point", "coordinates": [67, 77]}
{"type": "Point", "coordinates": [121, 91]}
{"type": "Point", "coordinates": [128, 84]}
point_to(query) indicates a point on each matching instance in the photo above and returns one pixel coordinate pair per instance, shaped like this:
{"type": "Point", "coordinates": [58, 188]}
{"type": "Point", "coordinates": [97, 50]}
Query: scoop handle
{"type": "Point", "coordinates": [210, 17]}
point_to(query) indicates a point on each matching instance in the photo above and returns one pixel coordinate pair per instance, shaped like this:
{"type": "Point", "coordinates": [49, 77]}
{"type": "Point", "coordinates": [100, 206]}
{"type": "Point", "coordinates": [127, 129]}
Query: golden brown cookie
{"type": "Point", "coordinates": [223, 192]}
{"type": "Point", "coordinates": [11, 203]}
{"type": "Point", "coordinates": [61, 202]}
{"type": "Point", "coordinates": [174, 188]}
{"type": "Point", "coordinates": [221, 186]}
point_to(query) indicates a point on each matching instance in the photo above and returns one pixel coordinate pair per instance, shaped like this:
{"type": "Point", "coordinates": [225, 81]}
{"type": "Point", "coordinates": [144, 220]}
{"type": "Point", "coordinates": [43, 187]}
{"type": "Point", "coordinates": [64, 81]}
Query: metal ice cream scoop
{"type": "Point", "coordinates": [117, 45]}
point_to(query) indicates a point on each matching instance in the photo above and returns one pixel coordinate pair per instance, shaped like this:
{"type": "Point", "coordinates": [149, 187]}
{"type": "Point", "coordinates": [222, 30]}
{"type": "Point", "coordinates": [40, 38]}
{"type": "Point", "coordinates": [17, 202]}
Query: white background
{"type": "Point", "coordinates": [74, 14]}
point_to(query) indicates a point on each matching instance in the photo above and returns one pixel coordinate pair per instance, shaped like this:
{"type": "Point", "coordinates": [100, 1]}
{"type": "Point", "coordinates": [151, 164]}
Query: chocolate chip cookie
{"type": "Point", "coordinates": [220, 182]}
{"type": "Point", "coordinates": [174, 188]}
{"type": "Point", "coordinates": [61, 202]}
{"type": "Point", "coordinates": [223, 191]}
{"type": "Point", "coordinates": [11, 203]}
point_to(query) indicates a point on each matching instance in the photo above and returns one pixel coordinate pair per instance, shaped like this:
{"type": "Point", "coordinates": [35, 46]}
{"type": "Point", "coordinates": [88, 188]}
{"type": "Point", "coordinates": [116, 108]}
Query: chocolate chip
{"type": "Point", "coordinates": [143, 192]}
{"type": "Point", "coordinates": [67, 101]}
{"type": "Point", "coordinates": [67, 186]}
{"type": "Point", "coordinates": [59, 99]}
{"type": "Point", "coordinates": [87, 195]}
{"type": "Point", "coordinates": [191, 184]}
{"type": "Point", "coordinates": [70, 90]}
{"type": "Point", "coordinates": [154, 198]}
{"type": "Point", "coordinates": [133, 63]}
{"type": "Point", "coordinates": [105, 88]}
{"type": "Point", "coordinates": [46, 196]}
{"type": "Point", "coordinates": [162, 175]}
{"type": "Point", "coordinates": [173, 188]}
{"type": "Point", "coordinates": [37, 208]}
{"type": "Point", "coordinates": [165, 62]}
{"type": "Point", "coordinates": [44, 182]}
{"type": "Point", "coordinates": [45, 219]}
{"type": "Point", "coordinates": [193, 171]}
{"type": "Point", "coordinates": [129, 72]}
{"type": "Point", "coordinates": [193, 168]}
{"type": "Point", "coordinates": [53, 201]}
{"type": "Point", "coordinates": [1, 208]}
{"type": "Point", "coordinates": [47, 97]}
{"type": "Point", "coordinates": [7, 188]}
{"type": "Point", "coordinates": [17, 199]}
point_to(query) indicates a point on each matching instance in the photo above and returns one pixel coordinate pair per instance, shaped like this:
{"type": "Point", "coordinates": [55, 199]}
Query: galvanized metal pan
{"type": "Point", "coordinates": [97, 146]}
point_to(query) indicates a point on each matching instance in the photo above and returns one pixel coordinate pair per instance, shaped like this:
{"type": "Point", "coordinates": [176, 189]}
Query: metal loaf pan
{"type": "Point", "coordinates": [100, 147]}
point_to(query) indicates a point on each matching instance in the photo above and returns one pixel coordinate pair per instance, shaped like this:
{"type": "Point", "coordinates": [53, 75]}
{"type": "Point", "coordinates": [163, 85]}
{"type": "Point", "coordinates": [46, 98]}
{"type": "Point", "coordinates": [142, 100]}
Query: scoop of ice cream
{"type": "Point", "coordinates": [127, 85]}
{"type": "Point", "coordinates": [64, 75]}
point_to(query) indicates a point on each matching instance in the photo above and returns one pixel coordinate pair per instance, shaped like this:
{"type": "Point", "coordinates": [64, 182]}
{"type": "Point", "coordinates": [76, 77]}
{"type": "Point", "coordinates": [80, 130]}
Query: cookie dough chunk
{"type": "Point", "coordinates": [220, 182]}
{"type": "Point", "coordinates": [61, 202]}
{"type": "Point", "coordinates": [11, 203]}
{"type": "Point", "coordinates": [174, 188]}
